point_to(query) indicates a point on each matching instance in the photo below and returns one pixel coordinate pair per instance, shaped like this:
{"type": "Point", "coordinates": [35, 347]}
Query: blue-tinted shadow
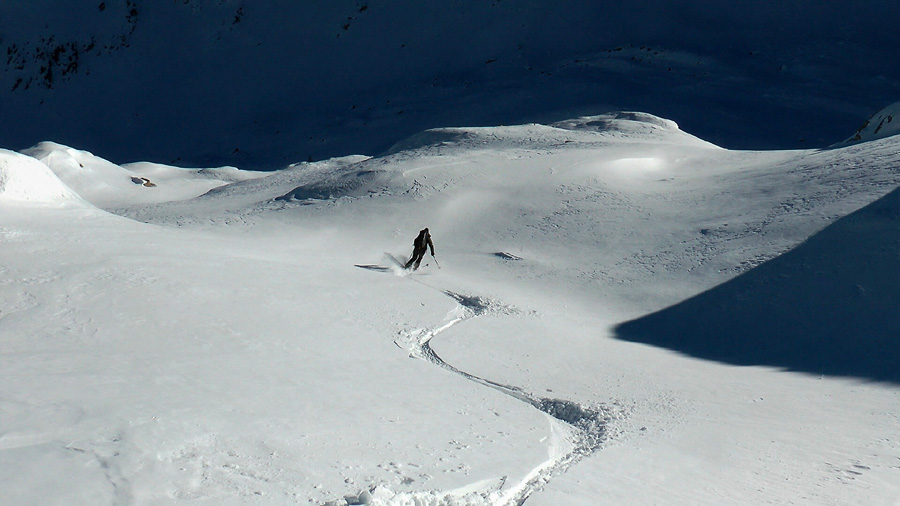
{"type": "Point", "coordinates": [829, 307]}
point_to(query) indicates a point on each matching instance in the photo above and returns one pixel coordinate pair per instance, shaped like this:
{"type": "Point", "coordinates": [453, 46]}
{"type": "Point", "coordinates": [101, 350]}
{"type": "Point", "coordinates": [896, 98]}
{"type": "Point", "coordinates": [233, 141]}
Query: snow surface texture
{"type": "Point", "coordinates": [622, 314]}
{"type": "Point", "coordinates": [264, 84]}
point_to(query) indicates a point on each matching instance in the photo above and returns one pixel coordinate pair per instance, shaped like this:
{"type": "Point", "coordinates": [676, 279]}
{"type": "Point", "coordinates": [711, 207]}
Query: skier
{"type": "Point", "coordinates": [420, 245]}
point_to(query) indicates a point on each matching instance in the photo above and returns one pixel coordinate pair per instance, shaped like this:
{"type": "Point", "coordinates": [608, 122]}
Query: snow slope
{"type": "Point", "coordinates": [257, 344]}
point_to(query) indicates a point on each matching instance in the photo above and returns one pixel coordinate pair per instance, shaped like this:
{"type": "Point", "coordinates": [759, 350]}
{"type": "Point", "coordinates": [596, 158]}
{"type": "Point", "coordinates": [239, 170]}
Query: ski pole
{"type": "Point", "coordinates": [435, 261]}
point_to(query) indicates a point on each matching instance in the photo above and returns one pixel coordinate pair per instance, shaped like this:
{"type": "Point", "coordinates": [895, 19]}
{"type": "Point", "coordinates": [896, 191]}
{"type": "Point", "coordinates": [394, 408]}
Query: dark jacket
{"type": "Point", "coordinates": [423, 241]}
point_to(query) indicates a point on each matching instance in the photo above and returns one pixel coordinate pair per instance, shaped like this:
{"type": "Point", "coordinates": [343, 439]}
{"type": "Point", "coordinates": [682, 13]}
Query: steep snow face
{"type": "Point", "coordinates": [24, 180]}
{"type": "Point", "coordinates": [883, 123]}
{"type": "Point", "coordinates": [261, 85]}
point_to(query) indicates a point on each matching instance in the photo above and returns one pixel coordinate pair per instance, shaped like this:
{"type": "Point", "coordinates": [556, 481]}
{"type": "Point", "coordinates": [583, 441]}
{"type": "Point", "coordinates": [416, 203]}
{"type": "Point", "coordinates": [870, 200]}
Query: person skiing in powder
{"type": "Point", "coordinates": [420, 245]}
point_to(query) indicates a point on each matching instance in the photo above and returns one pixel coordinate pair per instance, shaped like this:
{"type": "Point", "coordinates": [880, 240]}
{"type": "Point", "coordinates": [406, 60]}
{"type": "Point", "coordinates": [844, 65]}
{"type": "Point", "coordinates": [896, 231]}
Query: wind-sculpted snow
{"type": "Point", "coordinates": [632, 124]}
{"type": "Point", "coordinates": [26, 180]}
{"type": "Point", "coordinates": [352, 183]}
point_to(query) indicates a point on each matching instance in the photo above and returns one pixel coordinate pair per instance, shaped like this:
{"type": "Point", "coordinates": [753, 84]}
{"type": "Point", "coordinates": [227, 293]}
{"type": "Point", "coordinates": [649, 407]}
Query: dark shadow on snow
{"type": "Point", "coordinates": [373, 267]}
{"type": "Point", "coordinates": [830, 307]}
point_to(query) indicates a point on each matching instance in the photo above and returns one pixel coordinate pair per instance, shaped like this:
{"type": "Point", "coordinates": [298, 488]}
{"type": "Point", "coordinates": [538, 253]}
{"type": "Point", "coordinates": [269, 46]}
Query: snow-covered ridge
{"type": "Point", "coordinates": [883, 123]}
{"type": "Point", "coordinates": [109, 185]}
{"type": "Point", "coordinates": [106, 184]}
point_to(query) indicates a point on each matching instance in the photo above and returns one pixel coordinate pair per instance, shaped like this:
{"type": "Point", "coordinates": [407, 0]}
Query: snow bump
{"type": "Point", "coordinates": [24, 180]}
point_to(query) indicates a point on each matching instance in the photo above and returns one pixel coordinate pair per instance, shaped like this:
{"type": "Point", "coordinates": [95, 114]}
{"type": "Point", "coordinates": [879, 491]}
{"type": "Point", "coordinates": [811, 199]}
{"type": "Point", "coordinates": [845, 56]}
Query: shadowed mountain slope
{"type": "Point", "coordinates": [265, 84]}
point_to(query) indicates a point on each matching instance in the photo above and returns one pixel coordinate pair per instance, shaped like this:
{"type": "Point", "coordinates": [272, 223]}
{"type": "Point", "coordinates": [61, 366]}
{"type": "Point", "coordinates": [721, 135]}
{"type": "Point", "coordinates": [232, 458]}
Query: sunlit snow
{"type": "Point", "coordinates": [617, 313]}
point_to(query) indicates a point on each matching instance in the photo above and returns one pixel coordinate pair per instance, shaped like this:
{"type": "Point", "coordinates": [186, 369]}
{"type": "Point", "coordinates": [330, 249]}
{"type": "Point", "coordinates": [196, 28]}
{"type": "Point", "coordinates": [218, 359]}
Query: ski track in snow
{"type": "Point", "coordinates": [584, 429]}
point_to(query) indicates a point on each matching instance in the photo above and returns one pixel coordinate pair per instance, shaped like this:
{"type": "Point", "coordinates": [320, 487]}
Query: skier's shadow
{"type": "Point", "coordinates": [394, 262]}
{"type": "Point", "coordinates": [831, 306]}
{"type": "Point", "coordinates": [373, 267]}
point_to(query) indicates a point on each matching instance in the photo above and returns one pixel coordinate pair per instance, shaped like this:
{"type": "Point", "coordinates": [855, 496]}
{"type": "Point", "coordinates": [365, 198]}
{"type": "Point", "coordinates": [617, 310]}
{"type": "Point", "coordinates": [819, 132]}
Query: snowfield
{"type": "Point", "coordinates": [622, 314]}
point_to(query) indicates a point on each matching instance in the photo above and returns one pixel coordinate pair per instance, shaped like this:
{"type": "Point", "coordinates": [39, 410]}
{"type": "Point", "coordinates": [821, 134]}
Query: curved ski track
{"type": "Point", "coordinates": [585, 428]}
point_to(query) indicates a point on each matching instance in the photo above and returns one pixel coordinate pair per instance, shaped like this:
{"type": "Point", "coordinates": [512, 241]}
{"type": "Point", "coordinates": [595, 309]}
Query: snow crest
{"type": "Point", "coordinates": [623, 125]}
{"type": "Point", "coordinates": [883, 123]}
{"type": "Point", "coordinates": [616, 121]}
{"type": "Point", "coordinates": [26, 180]}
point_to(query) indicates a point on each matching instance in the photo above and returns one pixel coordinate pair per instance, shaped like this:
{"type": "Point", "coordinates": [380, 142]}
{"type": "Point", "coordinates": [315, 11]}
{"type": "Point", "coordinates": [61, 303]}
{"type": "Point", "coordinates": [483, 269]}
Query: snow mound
{"type": "Point", "coordinates": [634, 126]}
{"type": "Point", "coordinates": [349, 183]}
{"type": "Point", "coordinates": [617, 126]}
{"type": "Point", "coordinates": [883, 123]}
{"type": "Point", "coordinates": [96, 180]}
{"type": "Point", "coordinates": [162, 172]}
{"type": "Point", "coordinates": [106, 184]}
{"type": "Point", "coordinates": [338, 177]}
{"type": "Point", "coordinates": [26, 180]}
{"type": "Point", "coordinates": [432, 137]}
